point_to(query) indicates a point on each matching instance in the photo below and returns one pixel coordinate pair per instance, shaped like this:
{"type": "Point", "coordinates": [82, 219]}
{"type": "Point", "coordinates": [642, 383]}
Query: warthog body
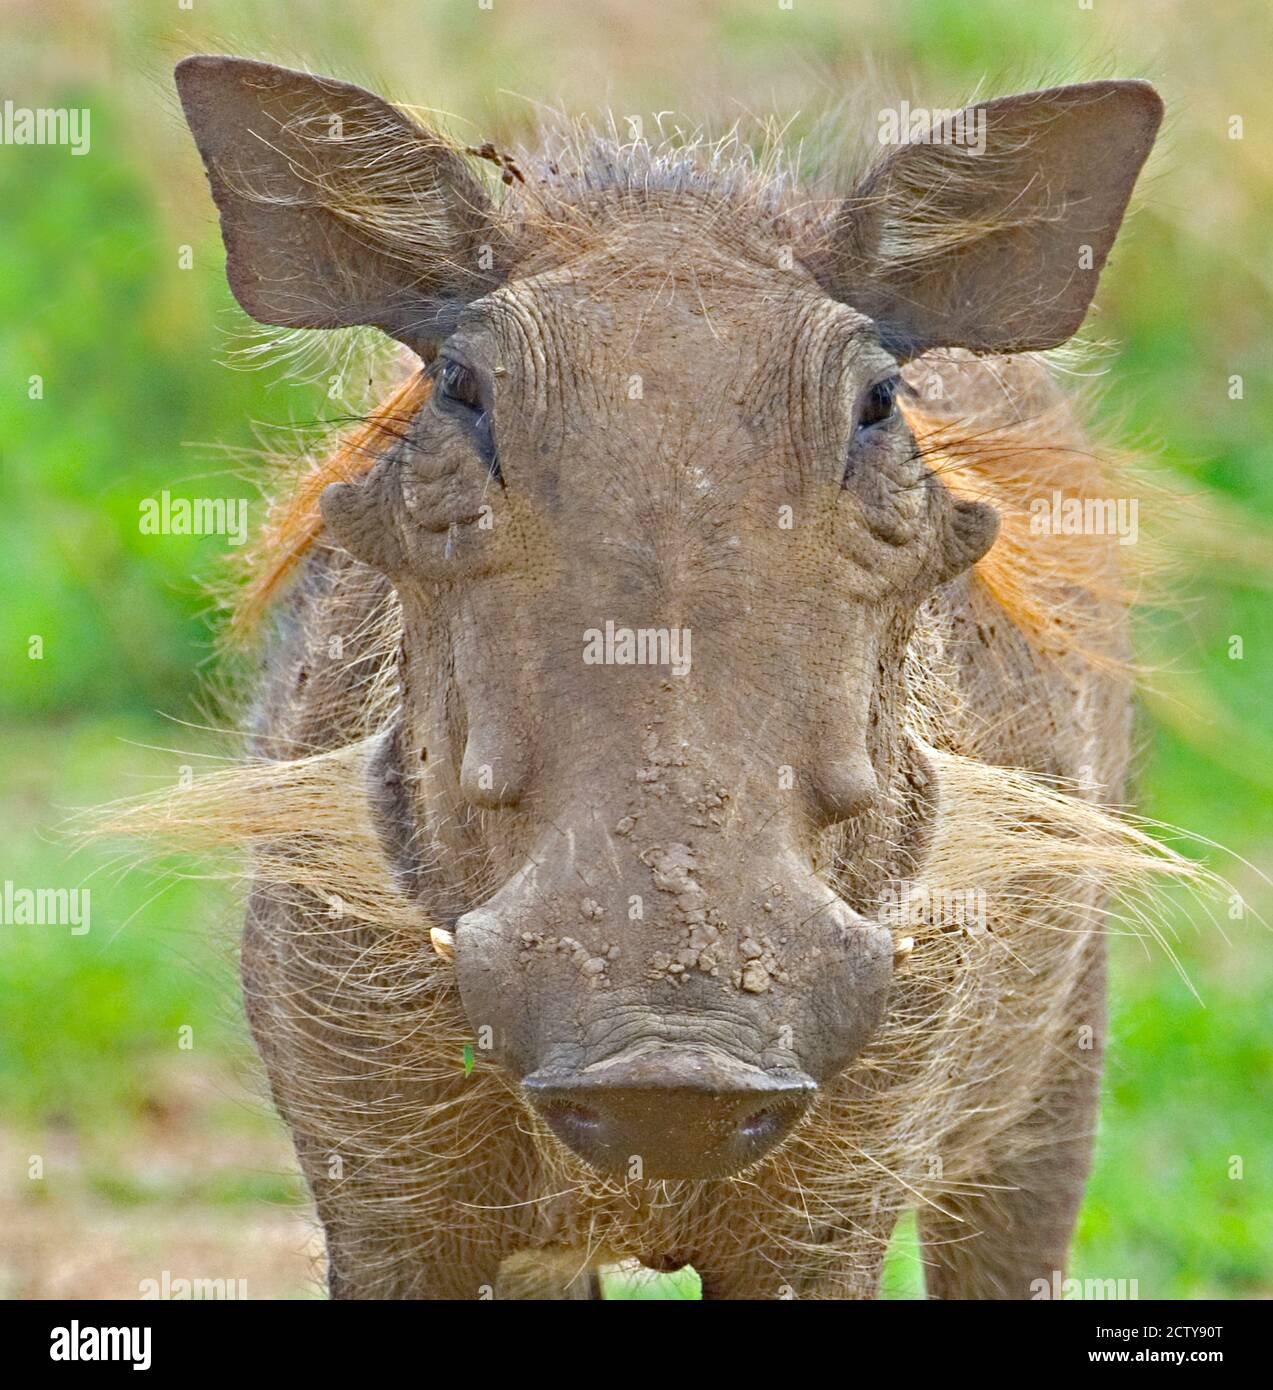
{"type": "Point", "coordinates": [654, 720]}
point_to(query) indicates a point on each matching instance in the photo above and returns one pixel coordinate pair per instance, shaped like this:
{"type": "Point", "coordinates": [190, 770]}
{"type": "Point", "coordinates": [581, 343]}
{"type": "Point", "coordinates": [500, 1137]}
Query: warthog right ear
{"type": "Point", "coordinates": [335, 208]}
{"type": "Point", "coordinates": [990, 233]}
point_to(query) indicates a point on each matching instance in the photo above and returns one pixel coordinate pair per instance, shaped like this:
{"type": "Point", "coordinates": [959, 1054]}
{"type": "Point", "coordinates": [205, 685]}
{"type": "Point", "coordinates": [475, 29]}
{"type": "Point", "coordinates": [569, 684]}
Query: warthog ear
{"type": "Point", "coordinates": [335, 208]}
{"type": "Point", "coordinates": [991, 234]}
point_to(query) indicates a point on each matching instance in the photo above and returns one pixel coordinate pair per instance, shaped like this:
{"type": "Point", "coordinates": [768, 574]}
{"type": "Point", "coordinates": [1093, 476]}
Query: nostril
{"type": "Point", "coordinates": [768, 1124]}
{"type": "Point", "coordinates": [573, 1122]}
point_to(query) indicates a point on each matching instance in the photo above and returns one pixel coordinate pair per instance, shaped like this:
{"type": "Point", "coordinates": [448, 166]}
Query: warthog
{"type": "Point", "coordinates": [677, 804]}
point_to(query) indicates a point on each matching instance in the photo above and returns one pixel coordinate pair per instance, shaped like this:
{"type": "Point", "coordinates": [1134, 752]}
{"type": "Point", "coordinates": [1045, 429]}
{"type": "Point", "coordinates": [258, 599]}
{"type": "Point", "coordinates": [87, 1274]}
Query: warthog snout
{"type": "Point", "coordinates": [664, 1050]}
{"type": "Point", "coordinates": [682, 1112]}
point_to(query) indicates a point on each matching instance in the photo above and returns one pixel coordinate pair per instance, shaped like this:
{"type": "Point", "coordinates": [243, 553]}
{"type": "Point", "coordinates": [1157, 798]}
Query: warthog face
{"type": "Point", "coordinates": [659, 535]}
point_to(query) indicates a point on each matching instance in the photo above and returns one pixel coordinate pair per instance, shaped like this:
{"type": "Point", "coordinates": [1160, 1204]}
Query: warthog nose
{"type": "Point", "coordinates": [670, 1113]}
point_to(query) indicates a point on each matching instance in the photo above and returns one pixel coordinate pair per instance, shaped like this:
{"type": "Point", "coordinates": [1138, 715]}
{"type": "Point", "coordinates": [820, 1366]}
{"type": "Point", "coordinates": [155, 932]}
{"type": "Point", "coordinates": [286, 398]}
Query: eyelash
{"type": "Point", "coordinates": [458, 384]}
{"type": "Point", "coordinates": [457, 390]}
{"type": "Point", "coordinates": [879, 406]}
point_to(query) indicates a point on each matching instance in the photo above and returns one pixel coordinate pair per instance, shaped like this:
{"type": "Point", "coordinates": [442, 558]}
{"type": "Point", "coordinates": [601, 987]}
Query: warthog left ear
{"type": "Point", "coordinates": [335, 208]}
{"type": "Point", "coordinates": [991, 234]}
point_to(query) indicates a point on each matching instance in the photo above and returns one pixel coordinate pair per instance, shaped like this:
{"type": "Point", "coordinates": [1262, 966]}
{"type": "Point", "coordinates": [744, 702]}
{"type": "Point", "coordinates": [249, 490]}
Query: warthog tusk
{"type": "Point", "coordinates": [443, 943]}
{"type": "Point", "coordinates": [902, 949]}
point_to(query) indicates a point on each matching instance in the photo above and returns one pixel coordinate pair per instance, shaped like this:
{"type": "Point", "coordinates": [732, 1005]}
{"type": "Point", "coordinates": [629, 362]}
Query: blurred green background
{"type": "Point", "coordinates": [155, 1155]}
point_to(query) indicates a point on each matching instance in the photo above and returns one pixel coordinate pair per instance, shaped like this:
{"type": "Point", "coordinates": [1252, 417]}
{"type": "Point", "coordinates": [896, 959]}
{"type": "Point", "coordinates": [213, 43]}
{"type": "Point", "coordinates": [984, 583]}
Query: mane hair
{"type": "Point", "coordinates": [294, 521]}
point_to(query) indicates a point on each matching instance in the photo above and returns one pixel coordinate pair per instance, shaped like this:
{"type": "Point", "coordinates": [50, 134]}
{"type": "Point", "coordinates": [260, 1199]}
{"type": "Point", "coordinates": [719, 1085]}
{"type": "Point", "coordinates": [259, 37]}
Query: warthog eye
{"type": "Point", "coordinates": [458, 391]}
{"type": "Point", "coordinates": [459, 385]}
{"type": "Point", "coordinates": [879, 405]}
{"type": "Point", "coordinates": [876, 411]}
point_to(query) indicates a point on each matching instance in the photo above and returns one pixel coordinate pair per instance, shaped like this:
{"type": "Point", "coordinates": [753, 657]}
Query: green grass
{"type": "Point", "coordinates": [1182, 1196]}
{"type": "Point", "coordinates": [88, 1018]}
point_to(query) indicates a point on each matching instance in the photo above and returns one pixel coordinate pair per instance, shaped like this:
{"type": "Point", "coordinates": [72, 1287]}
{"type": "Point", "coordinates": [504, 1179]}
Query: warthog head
{"type": "Point", "coordinates": [660, 533]}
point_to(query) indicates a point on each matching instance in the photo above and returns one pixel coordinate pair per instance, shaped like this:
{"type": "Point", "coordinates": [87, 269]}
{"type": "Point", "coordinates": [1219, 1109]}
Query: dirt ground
{"type": "Point", "coordinates": [202, 1187]}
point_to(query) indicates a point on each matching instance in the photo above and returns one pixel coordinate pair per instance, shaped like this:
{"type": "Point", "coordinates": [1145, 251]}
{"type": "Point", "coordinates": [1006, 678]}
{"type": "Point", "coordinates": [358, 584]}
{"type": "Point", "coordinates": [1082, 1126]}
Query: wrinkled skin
{"type": "Point", "coordinates": [663, 881]}
{"type": "Point", "coordinates": [633, 792]}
